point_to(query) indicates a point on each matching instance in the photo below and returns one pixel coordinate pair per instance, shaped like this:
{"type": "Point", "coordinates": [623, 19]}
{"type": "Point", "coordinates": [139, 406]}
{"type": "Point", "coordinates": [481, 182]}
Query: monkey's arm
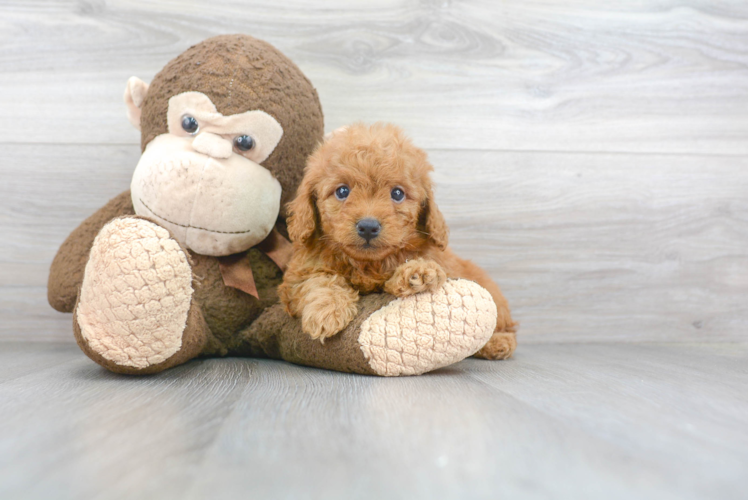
{"type": "Point", "coordinates": [66, 273]}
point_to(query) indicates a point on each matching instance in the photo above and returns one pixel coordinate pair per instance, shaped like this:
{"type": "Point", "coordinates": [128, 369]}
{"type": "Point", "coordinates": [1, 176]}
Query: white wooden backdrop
{"type": "Point", "coordinates": [592, 155]}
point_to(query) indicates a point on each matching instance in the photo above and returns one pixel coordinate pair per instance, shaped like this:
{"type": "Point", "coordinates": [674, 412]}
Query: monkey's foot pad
{"type": "Point", "coordinates": [426, 331]}
{"type": "Point", "coordinates": [136, 294]}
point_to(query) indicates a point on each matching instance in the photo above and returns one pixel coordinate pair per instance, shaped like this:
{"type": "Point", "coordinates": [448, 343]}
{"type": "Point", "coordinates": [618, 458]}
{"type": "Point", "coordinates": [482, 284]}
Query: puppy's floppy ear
{"type": "Point", "coordinates": [432, 223]}
{"type": "Point", "coordinates": [302, 221]}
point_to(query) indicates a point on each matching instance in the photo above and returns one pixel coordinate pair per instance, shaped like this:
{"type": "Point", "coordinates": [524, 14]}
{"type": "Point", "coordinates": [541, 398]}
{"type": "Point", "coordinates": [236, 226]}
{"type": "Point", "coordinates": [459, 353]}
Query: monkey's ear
{"type": "Point", "coordinates": [135, 93]}
{"type": "Point", "coordinates": [329, 135]}
{"type": "Point", "coordinates": [302, 221]}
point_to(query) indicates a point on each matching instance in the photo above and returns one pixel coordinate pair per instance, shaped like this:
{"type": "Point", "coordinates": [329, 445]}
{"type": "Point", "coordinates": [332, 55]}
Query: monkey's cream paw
{"type": "Point", "coordinates": [416, 276]}
{"type": "Point", "coordinates": [328, 312]}
{"type": "Point", "coordinates": [423, 332]}
{"type": "Point", "coordinates": [136, 294]}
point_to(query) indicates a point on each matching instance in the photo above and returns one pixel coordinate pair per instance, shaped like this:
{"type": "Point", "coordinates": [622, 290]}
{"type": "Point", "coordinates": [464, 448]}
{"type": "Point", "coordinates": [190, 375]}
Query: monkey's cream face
{"type": "Point", "coordinates": [203, 180]}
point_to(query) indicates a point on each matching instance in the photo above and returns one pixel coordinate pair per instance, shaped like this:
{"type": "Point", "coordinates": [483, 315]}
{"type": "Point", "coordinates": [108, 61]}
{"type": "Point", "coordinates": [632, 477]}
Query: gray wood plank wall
{"type": "Point", "coordinates": [592, 155]}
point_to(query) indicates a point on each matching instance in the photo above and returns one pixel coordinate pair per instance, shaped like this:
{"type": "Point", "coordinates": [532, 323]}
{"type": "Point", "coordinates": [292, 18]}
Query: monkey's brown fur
{"type": "Point", "coordinates": [332, 264]}
{"type": "Point", "coordinates": [240, 73]}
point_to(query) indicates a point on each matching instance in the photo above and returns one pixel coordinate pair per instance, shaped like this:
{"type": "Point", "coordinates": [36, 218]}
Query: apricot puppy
{"type": "Point", "coordinates": [364, 220]}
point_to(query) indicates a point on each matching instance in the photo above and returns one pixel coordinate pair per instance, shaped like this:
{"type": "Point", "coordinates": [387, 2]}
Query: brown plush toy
{"type": "Point", "coordinates": [187, 262]}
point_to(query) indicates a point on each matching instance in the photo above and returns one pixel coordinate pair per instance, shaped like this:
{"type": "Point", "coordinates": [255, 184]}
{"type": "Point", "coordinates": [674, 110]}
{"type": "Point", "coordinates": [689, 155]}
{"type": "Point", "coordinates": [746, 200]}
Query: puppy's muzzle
{"type": "Point", "coordinates": [368, 229]}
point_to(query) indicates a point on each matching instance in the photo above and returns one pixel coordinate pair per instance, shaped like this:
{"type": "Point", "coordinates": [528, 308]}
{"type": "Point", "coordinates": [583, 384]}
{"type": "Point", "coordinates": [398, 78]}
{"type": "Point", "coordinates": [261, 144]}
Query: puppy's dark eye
{"type": "Point", "coordinates": [397, 195]}
{"type": "Point", "coordinates": [342, 192]}
{"type": "Point", "coordinates": [244, 143]}
{"type": "Point", "coordinates": [189, 124]}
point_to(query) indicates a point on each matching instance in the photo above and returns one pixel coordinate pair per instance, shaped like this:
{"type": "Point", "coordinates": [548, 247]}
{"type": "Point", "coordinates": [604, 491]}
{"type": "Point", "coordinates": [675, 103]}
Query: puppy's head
{"type": "Point", "coordinates": [367, 192]}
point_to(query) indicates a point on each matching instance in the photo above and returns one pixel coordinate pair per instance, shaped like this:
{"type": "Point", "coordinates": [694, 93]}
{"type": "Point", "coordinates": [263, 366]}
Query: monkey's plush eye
{"type": "Point", "coordinates": [244, 143]}
{"type": "Point", "coordinates": [342, 192]}
{"type": "Point", "coordinates": [397, 195]}
{"type": "Point", "coordinates": [189, 124]}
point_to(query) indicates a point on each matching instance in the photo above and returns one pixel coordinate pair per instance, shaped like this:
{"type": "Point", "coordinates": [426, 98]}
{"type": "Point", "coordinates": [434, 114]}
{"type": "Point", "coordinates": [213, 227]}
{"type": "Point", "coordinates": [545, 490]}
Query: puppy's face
{"type": "Point", "coordinates": [370, 194]}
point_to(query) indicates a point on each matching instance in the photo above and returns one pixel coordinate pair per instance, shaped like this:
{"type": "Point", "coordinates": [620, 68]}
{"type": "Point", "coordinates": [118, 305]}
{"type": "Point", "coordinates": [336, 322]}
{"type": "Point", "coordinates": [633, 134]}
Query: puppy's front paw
{"type": "Point", "coordinates": [415, 276]}
{"type": "Point", "coordinates": [326, 316]}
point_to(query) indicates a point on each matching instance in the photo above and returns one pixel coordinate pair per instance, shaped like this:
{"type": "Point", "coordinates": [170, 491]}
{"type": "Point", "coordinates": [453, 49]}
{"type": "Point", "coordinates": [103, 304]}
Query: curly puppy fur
{"type": "Point", "coordinates": [334, 260]}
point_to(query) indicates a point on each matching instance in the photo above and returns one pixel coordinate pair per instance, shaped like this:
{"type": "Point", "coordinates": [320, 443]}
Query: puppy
{"type": "Point", "coordinates": [364, 220]}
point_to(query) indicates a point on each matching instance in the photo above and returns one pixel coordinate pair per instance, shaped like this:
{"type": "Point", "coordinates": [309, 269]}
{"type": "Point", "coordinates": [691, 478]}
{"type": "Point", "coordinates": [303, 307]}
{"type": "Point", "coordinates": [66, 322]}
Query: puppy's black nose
{"type": "Point", "coordinates": [368, 229]}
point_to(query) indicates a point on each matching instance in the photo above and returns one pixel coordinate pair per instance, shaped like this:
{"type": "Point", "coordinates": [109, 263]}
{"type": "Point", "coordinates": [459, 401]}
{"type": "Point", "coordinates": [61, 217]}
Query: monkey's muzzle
{"type": "Point", "coordinates": [213, 206]}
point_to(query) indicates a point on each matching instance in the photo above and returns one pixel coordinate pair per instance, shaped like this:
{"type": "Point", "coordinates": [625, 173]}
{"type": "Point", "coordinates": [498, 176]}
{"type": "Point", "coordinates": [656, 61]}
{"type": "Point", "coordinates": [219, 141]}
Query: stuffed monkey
{"type": "Point", "coordinates": [187, 262]}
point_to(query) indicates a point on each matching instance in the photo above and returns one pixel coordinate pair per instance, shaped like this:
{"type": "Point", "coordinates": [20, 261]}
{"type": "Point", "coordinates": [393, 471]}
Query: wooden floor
{"type": "Point", "coordinates": [592, 156]}
{"type": "Point", "coordinates": [635, 421]}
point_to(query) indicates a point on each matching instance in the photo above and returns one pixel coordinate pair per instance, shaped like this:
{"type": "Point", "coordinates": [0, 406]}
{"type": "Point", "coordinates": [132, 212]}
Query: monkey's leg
{"type": "Point", "coordinates": [66, 271]}
{"type": "Point", "coordinates": [135, 311]}
{"type": "Point", "coordinates": [504, 340]}
{"type": "Point", "coordinates": [388, 337]}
